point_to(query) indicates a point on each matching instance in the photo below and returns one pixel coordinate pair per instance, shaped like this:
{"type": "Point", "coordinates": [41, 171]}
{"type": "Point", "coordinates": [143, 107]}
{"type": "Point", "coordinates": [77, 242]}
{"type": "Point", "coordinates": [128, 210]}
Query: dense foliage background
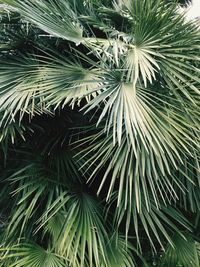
{"type": "Point", "coordinates": [99, 131]}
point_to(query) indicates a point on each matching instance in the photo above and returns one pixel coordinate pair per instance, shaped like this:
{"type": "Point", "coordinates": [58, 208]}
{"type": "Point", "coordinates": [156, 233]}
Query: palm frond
{"type": "Point", "coordinates": [30, 254]}
{"type": "Point", "coordinates": [125, 183]}
{"type": "Point", "coordinates": [185, 253]}
{"type": "Point", "coordinates": [32, 85]}
{"type": "Point", "coordinates": [120, 252]}
{"type": "Point", "coordinates": [154, 224]}
{"type": "Point", "coordinates": [146, 58]}
{"type": "Point", "coordinates": [83, 236]}
{"type": "Point", "coordinates": [18, 91]}
{"type": "Point", "coordinates": [132, 169]}
{"type": "Point", "coordinates": [32, 185]}
{"type": "Point", "coordinates": [59, 19]}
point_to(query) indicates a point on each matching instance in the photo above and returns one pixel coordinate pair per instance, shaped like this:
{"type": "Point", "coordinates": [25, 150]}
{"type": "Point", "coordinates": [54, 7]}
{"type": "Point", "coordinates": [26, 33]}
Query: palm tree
{"type": "Point", "coordinates": [99, 116]}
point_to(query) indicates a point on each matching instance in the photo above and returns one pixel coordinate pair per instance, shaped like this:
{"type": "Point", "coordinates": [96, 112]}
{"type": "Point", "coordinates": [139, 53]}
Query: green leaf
{"type": "Point", "coordinates": [56, 18]}
{"type": "Point", "coordinates": [31, 255]}
{"type": "Point", "coordinates": [185, 253]}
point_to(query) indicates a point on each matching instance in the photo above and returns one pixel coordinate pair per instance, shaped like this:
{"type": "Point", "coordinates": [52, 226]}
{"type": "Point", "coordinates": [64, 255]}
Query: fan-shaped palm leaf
{"type": "Point", "coordinates": [58, 19]}
{"type": "Point", "coordinates": [185, 253]}
{"type": "Point", "coordinates": [133, 67]}
{"type": "Point", "coordinates": [82, 229]}
{"type": "Point", "coordinates": [31, 255]}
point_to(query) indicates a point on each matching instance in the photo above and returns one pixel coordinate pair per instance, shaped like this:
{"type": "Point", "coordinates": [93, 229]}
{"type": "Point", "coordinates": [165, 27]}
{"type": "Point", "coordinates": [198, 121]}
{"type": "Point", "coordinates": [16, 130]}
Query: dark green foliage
{"type": "Point", "coordinates": [99, 132]}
